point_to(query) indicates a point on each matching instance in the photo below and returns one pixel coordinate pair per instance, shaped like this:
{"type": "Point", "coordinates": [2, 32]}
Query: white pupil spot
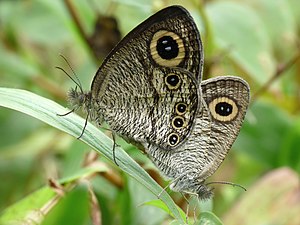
{"type": "Point", "coordinates": [222, 109]}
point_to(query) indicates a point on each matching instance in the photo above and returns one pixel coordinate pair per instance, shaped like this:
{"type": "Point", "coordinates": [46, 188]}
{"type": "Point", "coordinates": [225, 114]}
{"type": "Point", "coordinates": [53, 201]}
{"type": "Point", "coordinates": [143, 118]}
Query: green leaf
{"type": "Point", "coordinates": [262, 133]}
{"type": "Point", "coordinates": [74, 208]}
{"type": "Point", "coordinates": [280, 24]}
{"type": "Point", "coordinates": [290, 147]}
{"type": "Point", "coordinates": [27, 208]}
{"type": "Point", "coordinates": [159, 204]}
{"type": "Point", "coordinates": [35, 206]}
{"type": "Point", "coordinates": [47, 110]}
{"type": "Point", "coordinates": [239, 30]}
{"type": "Point", "coordinates": [205, 218]}
{"type": "Point", "coordinates": [208, 218]}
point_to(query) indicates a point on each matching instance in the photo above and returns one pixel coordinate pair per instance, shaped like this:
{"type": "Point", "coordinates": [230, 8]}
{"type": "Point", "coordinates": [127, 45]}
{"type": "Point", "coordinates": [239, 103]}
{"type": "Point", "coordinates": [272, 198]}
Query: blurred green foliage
{"type": "Point", "coordinates": [255, 39]}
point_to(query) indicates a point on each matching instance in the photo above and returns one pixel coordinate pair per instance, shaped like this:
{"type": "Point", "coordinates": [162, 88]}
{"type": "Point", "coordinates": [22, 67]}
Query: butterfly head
{"type": "Point", "coordinates": [203, 192]}
{"type": "Point", "coordinates": [79, 98]}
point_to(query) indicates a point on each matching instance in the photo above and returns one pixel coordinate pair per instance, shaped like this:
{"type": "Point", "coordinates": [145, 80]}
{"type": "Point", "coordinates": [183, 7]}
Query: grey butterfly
{"type": "Point", "coordinates": [224, 103]}
{"type": "Point", "coordinates": [151, 75]}
{"type": "Point", "coordinates": [149, 91]}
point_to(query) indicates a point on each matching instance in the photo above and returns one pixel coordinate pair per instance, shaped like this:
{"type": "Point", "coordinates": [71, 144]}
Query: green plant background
{"type": "Point", "coordinates": [255, 39]}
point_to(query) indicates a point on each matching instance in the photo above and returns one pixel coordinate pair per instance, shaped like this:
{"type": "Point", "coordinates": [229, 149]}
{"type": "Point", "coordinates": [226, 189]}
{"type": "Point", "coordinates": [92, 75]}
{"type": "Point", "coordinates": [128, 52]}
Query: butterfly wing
{"type": "Point", "coordinates": [129, 80]}
{"type": "Point", "coordinates": [227, 99]}
{"type": "Point", "coordinates": [224, 104]}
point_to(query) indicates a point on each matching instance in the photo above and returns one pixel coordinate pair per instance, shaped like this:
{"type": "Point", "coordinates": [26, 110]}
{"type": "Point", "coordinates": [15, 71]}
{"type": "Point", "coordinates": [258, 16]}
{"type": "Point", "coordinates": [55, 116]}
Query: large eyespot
{"type": "Point", "coordinates": [180, 108]}
{"type": "Point", "coordinates": [178, 122]}
{"type": "Point", "coordinates": [167, 48]}
{"type": "Point", "coordinates": [173, 139]}
{"type": "Point", "coordinates": [173, 81]}
{"type": "Point", "coordinates": [223, 109]}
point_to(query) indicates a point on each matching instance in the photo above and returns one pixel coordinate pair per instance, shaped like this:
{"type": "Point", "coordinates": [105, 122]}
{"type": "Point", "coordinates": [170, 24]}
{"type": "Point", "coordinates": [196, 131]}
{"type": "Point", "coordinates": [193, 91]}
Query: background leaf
{"type": "Point", "coordinates": [255, 39]}
{"type": "Point", "coordinates": [48, 111]}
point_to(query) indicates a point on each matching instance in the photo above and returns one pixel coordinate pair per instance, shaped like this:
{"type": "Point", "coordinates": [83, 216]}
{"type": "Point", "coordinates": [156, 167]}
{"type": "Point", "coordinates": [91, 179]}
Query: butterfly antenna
{"type": "Point", "coordinates": [229, 183]}
{"type": "Point", "coordinates": [75, 79]}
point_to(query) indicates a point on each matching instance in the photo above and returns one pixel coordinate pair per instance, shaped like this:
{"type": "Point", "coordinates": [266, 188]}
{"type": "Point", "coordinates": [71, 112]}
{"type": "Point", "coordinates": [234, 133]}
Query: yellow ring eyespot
{"type": "Point", "coordinates": [178, 122]}
{"type": "Point", "coordinates": [223, 109]}
{"type": "Point", "coordinates": [167, 48]}
{"type": "Point", "coordinates": [173, 139]}
{"type": "Point", "coordinates": [180, 108]}
{"type": "Point", "coordinates": [172, 81]}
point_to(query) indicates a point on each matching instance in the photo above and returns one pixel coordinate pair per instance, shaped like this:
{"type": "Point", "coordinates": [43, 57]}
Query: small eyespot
{"type": "Point", "coordinates": [173, 81]}
{"type": "Point", "coordinates": [173, 139]}
{"type": "Point", "coordinates": [223, 109]}
{"type": "Point", "coordinates": [178, 122]}
{"type": "Point", "coordinates": [167, 48]}
{"type": "Point", "coordinates": [180, 108]}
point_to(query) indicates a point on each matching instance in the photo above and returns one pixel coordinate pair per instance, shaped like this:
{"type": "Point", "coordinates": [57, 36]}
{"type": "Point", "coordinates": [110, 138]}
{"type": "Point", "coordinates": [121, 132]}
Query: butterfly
{"type": "Point", "coordinates": [149, 90]}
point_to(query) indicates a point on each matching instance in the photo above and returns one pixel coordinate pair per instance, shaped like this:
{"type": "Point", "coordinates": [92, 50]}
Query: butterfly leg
{"type": "Point", "coordinates": [164, 189]}
{"type": "Point", "coordinates": [114, 147]}
{"type": "Point", "coordinates": [187, 207]}
{"type": "Point", "coordinates": [85, 123]}
{"type": "Point", "coordinates": [67, 113]}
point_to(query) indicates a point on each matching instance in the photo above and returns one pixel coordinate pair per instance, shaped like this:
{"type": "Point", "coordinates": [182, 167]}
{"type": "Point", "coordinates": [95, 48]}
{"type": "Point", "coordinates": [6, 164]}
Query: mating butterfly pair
{"type": "Point", "coordinates": [149, 90]}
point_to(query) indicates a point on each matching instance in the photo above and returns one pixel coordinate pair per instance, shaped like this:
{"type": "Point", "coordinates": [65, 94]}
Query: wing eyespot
{"type": "Point", "coordinates": [178, 122]}
{"type": "Point", "coordinates": [173, 81]}
{"type": "Point", "coordinates": [223, 109]}
{"type": "Point", "coordinates": [173, 139]}
{"type": "Point", "coordinates": [180, 108]}
{"type": "Point", "coordinates": [167, 48]}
